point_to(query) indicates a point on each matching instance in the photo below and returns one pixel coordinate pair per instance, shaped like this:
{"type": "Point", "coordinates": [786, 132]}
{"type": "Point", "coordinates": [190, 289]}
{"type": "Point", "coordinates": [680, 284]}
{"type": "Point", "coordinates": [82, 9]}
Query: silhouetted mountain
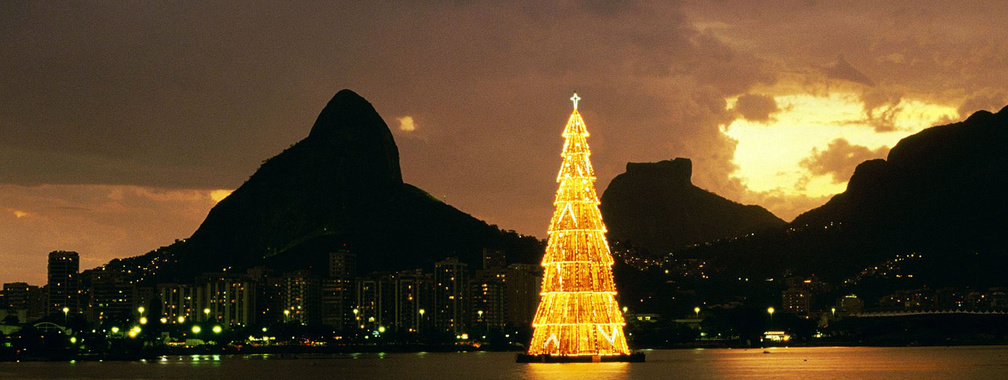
{"type": "Point", "coordinates": [940, 193]}
{"type": "Point", "coordinates": [950, 176]}
{"type": "Point", "coordinates": [656, 206]}
{"type": "Point", "coordinates": [341, 187]}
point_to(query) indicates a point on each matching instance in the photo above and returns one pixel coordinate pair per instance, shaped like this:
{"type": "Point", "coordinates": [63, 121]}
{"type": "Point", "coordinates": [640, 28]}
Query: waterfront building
{"type": "Point", "coordinates": [178, 302]}
{"type": "Point", "coordinates": [412, 294]}
{"type": "Point", "coordinates": [521, 287]}
{"type": "Point", "coordinates": [16, 295]}
{"type": "Point", "coordinates": [299, 294]}
{"type": "Point", "coordinates": [337, 303]}
{"type": "Point", "coordinates": [489, 299]}
{"type": "Point", "coordinates": [63, 285]}
{"type": "Point", "coordinates": [226, 298]}
{"type": "Point", "coordinates": [451, 288]}
{"type": "Point", "coordinates": [375, 301]}
{"type": "Point", "coordinates": [110, 296]}
{"type": "Point", "coordinates": [494, 258]}
{"type": "Point", "coordinates": [796, 301]}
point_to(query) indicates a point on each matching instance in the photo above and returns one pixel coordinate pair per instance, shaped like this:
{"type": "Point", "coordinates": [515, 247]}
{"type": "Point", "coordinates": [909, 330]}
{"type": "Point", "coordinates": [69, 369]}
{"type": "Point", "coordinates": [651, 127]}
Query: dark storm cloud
{"type": "Point", "coordinates": [991, 101]}
{"type": "Point", "coordinates": [839, 159]}
{"type": "Point", "coordinates": [152, 93]}
{"type": "Point", "coordinates": [881, 107]}
{"type": "Point", "coordinates": [196, 95]}
{"type": "Point", "coordinates": [942, 51]}
{"type": "Point", "coordinates": [186, 95]}
{"type": "Point", "coordinates": [756, 107]}
{"type": "Point", "coordinates": [843, 70]}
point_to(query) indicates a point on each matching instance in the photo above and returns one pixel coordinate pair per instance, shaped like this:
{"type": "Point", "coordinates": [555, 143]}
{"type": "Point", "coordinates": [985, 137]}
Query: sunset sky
{"type": "Point", "coordinates": [123, 123]}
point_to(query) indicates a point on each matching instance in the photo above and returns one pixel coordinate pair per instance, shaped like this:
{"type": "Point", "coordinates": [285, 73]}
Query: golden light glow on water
{"type": "Point", "coordinates": [769, 153]}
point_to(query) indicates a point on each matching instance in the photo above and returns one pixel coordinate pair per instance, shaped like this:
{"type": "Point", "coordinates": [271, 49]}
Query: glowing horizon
{"type": "Point", "coordinates": [769, 153]}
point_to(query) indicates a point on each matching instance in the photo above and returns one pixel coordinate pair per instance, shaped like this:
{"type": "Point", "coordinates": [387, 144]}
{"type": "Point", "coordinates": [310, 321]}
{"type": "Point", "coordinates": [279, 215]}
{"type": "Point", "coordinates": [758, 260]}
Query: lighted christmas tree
{"type": "Point", "coordinates": [578, 314]}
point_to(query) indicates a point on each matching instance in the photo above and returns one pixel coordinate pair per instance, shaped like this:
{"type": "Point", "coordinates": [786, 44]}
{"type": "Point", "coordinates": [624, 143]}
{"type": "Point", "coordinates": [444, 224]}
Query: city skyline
{"type": "Point", "coordinates": [123, 124]}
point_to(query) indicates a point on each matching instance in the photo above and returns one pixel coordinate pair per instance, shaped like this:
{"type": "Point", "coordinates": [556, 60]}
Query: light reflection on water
{"type": "Point", "coordinates": [780, 363]}
{"type": "Point", "coordinates": [578, 371]}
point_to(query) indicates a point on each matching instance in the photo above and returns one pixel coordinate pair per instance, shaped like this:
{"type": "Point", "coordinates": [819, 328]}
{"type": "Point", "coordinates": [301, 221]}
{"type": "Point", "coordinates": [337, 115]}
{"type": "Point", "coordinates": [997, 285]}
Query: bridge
{"type": "Point", "coordinates": [52, 327]}
{"type": "Point", "coordinates": [881, 314]}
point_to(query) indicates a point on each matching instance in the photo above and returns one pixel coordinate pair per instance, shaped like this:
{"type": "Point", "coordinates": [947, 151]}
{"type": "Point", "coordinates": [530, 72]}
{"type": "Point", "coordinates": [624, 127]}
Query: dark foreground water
{"type": "Point", "coordinates": [778, 363]}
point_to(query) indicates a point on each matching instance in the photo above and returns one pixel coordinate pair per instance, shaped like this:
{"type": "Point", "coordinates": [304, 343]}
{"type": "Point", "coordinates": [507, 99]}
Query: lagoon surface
{"type": "Point", "coordinates": [979, 362]}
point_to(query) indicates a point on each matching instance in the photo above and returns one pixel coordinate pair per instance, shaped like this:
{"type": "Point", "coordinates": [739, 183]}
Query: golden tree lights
{"type": "Point", "coordinates": [577, 314]}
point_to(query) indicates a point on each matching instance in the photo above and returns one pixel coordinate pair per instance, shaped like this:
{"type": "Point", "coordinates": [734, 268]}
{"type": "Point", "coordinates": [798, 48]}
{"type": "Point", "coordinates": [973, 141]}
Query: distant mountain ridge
{"type": "Point", "coordinates": [657, 207]}
{"type": "Point", "coordinates": [943, 171]}
{"type": "Point", "coordinates": [339, 188]}
{"type": "Point", "coordinates": [940, 193]}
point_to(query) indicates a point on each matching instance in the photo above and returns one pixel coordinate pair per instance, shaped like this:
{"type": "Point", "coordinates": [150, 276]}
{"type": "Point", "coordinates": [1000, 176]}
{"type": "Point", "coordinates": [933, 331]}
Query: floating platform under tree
{"type": "Point", "coordinates": [636, 357]}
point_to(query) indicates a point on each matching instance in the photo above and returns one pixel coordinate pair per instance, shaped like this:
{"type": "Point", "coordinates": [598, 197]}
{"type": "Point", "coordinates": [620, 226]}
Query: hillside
{"type": "Point", "coordinates": [939, 193]}
{"type": "Point", "coordinates": [656, 206]}
{"type": "Point", "coordinates": [340, 187]}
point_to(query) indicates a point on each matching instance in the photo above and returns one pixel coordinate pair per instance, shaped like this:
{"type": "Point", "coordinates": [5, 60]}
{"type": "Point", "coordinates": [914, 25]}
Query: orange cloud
{"type": "Point", "coordinates": [406, 124]}
{"type": "Point", "coordinates": [839, 159]}
{"type": "Point", "coordinates": [843, 70]}
{"type": "Point", "coordinates": [84, 218]}
{"type": "Point", "coordinates": [756, 107]}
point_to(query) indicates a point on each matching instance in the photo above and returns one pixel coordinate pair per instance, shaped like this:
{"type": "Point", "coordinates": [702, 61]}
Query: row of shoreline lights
{"type": "Point", "coordinates": [206, 311]}
{"type": "Point", "coordinates": [133, 332]}
{"type": "Point", "coordinates": [196, 329]}
{"type": "Point", "coordinates": [181, 318]}
{"type": "Point", "coordinates": [143, 319]}
{"type": "Point", "coordinates": [217, 329]}
{"type": "Point", "coordinates": [770, 310]}
{"type": "Point", "coordinates": [381, 329]}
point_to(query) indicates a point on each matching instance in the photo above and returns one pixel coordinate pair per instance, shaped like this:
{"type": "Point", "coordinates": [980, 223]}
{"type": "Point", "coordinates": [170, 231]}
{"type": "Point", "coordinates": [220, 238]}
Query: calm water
{"type": "Point", "coordinates": [780, 363]}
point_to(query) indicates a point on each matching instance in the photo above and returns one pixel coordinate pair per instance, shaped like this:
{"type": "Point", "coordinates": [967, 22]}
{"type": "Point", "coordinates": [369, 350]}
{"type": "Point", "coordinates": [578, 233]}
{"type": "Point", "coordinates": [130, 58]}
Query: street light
{"type": "Point", "coordinates": [286, 316]}
{"type": "Point", "coordinates": [697, 311]}
{"type": "Point", "coordinates": [770, 310]}
{"type": "Point", "coordinates": [422, 311]}
{"type": "Point", "coordinates": [486, 326]}
{"type": "Point", "coordinates": [206, 312]}
{"type": "Point", "coordinates": [66, 315]}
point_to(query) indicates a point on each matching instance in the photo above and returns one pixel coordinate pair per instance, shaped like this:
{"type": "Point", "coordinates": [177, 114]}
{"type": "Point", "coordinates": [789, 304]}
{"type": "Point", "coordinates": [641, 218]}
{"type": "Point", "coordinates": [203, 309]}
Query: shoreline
{"type": "Point", "coordinates": [297, 353]}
